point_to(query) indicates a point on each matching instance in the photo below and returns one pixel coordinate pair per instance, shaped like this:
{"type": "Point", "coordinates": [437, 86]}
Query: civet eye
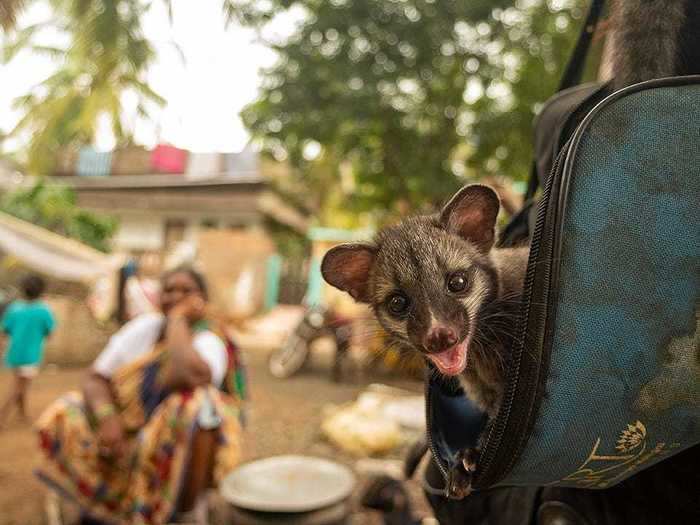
{"type": "Point", "coordinates": [457, 282]}
{"type": "Point", "coordinates": [397, 304]}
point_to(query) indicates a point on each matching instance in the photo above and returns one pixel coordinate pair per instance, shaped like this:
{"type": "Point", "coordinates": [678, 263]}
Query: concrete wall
{"type": "Point", "coordinates": [139, 233]}
{"type": "Point", "coordinates": [78, 337]}
{"type": "Point", "coordinates": [224, 256]}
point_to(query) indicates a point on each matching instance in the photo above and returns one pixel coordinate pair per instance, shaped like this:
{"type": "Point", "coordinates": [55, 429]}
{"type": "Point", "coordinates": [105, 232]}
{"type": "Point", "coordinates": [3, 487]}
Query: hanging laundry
{"type": "Point", "coordinates": [204, 165]}
{"type": "Point", "coordinates": [243, 165]}
{"type": "Point", "coordinates": [168, 159]}
{"type": "Point", "coordinates": [131, 160]}
{"type": "Point", "coordinates": [93, 163]}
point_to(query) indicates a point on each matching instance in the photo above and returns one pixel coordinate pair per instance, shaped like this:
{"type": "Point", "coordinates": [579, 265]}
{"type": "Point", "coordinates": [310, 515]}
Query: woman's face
{"type": "Point", "coordinates": [175, 288]}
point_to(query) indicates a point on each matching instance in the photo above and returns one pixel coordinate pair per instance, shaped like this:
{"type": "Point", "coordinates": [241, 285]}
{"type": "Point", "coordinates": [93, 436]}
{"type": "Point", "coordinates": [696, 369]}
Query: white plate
{"type": "Point", "coordinates": [287, 484]}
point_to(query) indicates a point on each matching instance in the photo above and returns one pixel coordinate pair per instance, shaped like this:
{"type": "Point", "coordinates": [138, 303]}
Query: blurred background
{"type": "Point", "coordinates": [247, 138]}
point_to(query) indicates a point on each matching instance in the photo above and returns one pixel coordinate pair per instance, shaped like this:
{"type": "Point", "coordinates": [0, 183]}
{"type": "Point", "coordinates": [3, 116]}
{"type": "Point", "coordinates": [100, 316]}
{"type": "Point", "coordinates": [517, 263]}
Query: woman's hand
{"type": "Point", "coordinates": [110, 437]}
{"type": "Point", "coordinates": [186, 368]}
{"type": "Point", "coordinates": [192, 308]}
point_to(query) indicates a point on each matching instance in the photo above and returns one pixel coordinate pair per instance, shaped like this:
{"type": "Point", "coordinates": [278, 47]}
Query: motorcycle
{"type": "Point", "coordinates": [317, 322]}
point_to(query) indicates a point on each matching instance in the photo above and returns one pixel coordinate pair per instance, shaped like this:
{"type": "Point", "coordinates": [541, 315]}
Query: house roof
{"type": "Point", "coordinates": [241, 180]}
{"type": "Point", "coordinates": [224, 195]}
{"type": "Point", "coordinates": [240, 194]}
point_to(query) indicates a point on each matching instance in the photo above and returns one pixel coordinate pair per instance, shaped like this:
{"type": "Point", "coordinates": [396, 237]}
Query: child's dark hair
{"type": "Point", "coordinates": [32, 286]}
{"type": "Point", "coordinates": [194, 274]}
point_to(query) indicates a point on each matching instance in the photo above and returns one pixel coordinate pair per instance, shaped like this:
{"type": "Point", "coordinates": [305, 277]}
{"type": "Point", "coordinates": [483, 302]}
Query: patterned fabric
{"type": "Point", "coordinates": [143, 486]}
{"type": "Point", "coordinates": [235, 381]}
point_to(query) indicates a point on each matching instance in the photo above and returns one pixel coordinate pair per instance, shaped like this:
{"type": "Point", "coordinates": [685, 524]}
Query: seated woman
{"type": "Point", "coordinates": [152, 428]}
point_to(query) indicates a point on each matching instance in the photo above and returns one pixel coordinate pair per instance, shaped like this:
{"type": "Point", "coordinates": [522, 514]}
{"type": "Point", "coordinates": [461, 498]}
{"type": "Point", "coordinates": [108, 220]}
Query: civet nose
{"type": "Point", "coordinates": [439, 338]}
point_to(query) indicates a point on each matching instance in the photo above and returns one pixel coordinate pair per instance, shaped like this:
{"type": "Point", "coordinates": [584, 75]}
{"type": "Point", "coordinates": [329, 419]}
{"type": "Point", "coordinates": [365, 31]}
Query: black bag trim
{"type": "Point", "coordinates": [554, 125]}
{"type": "Point", "coordinates": [511, 430]}
{"type": "Point", "coordinates": [572, 72]}
{"type": "Point", "coordinates": [559, 118]}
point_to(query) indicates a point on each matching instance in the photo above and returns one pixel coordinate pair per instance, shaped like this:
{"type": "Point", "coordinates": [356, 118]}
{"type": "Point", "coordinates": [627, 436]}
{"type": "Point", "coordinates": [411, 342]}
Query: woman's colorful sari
{"type": "Point", "coordinates": [143, 485]}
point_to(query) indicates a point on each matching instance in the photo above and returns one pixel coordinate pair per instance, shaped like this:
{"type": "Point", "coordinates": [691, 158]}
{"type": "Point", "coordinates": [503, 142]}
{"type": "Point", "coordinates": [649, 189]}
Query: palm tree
{"type": "Point", "coordinates": [107, 56]}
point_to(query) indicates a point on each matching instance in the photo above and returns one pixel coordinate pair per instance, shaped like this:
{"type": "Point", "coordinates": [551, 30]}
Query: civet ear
{"type": "Point", "coordinates": [347, 267]}
{"type": "Point", "coordinates": [471, 213]}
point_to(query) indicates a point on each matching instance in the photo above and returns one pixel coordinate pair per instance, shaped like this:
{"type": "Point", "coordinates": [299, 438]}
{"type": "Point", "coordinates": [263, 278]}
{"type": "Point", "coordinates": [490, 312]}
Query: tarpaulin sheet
{"type": "Point", "coordinates": [52, 254]}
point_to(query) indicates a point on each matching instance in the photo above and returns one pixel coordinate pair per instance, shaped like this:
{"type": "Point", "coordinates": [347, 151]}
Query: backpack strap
{"type": "Point", "coordinates": [572, 73]}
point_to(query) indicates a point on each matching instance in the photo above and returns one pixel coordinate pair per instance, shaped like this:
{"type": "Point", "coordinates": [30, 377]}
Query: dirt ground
{"type": "Point", "coordinates": [284, 419]}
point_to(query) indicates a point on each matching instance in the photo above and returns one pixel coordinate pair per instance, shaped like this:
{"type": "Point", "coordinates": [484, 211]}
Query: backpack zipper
{"type": "Point", "coordinates": [431, 444]}
{"type": "Point", "coordinates": [486, 475]}
{"type": "Point", "coordinates": [489, 472]}
{"type": "Point", "coordinates": [500, 453]}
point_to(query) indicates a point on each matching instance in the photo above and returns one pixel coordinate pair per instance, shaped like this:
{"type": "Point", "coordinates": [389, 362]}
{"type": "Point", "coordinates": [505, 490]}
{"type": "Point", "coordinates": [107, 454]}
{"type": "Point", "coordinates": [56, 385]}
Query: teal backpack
{"type": "Point", "coordinates": [605, 374]}
{"type": "Point", "coordinates": [604, 379]}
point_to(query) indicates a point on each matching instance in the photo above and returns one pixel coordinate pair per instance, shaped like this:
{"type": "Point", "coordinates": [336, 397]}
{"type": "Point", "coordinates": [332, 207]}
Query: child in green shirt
{"type": "Point", "coordinates": [27, 323]}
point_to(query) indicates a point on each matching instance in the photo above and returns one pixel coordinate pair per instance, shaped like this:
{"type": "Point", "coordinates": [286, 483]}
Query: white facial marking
{"type": "Point", "coordinates": [433, 321]}
{"type": "Point", "coordinates": [475, 298]}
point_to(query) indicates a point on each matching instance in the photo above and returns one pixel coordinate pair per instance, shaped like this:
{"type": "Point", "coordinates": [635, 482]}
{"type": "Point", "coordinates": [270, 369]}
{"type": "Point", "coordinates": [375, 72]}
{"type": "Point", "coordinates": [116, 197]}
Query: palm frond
{"type": "Point", "coordinates": [169, 8]}
{"type": "Point", "coordinates": [247, 12]}
{"type": "Point", "coordinates": [142, 112]}
{"type": "Point", "coordinates": [9, 11]}
{"type": "Point", "coordinates": [144, 90]}
{"type": "Point", "coordinates": [107, 55]}
{"type": "Point", "coordinates": [19, 40]}
{"type": "Point", "coordinates": [49, 51]}
{"type": "Point", "coordinates": [179, 51]}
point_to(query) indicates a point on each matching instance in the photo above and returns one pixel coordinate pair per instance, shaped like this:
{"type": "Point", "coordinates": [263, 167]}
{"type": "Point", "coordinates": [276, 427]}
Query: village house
{"type": "Point", "coordinates": [215, 211]}
{"type": "Point", "coordinates": [157, 211]}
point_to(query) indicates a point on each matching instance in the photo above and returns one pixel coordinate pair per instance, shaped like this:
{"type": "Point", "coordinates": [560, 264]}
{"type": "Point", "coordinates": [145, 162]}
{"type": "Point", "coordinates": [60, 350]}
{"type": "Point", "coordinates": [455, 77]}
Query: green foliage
{"type": "Point", "coordinates": [381, 107]}
{"type": "Point", "coordinates": [106, 56]}
{"type": "Point", "coordinates": [413, 97]}
{"type": "Point", "coordinates": [54, 208]}
{"type": "Point", "coordinates": [528, 48]}
{"type": "Point", "coordinates": [290, 243]}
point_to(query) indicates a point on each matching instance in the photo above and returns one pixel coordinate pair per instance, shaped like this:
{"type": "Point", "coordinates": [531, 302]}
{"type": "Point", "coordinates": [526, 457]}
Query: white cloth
{"type": "Point", "coordinates": [52, 254]}
{"type": "Point", "coordinates": [141, 297]}
{"type": "Point", "coordinates": [204, 165]}
{"type": "Point", "coordinates": [138, 337]}
{"type": "Point", "coordinates": [27, 371]}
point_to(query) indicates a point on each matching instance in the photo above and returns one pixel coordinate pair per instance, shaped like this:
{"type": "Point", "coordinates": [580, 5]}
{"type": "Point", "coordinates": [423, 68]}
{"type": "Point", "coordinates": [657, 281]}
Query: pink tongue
{"type": "Point", "coordinates": [449, 360]}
